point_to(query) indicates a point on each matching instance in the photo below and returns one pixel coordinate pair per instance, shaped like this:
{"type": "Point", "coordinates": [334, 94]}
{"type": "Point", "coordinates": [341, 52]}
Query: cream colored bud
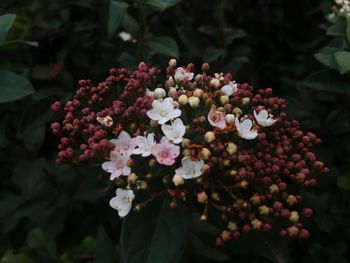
{"type": "Point", "coordinates": [233, 172]}
{"type": "Point", "coordinates": [159, 93]}
{"type": "Point", "coordinates": [185, 143]}
{"type": "Point", "coordinates": [186, 152]}
{"type": "Point", "coordinates": [204, 217]}
{"type": "Point", "coordinates": [256, 224]}
{"type": "Point", "coordinates": [198, 93]}
{"type": "Point", "coordinates": [244, 184]}
{"type": "Point", "coordinates": [153, 123]}
{"type": "Point", "coordinates": [232, 226]}
{"type": "Point", "coordinates": [264, 210]}
{"type": "Point", "coordinates": [194, 102]}
{"type": "Point", "coordinates": [294, 216]}
{"type": "Point", "coordinates": [209, 136]}
{"type": "Point", "coordinates": [231, 148]}
{"type": "Point", "coordinates": [292, 231]}
{"type": "Point", "coordinates": [237, 111]}
{"type": "Point", "coordinates": [132, 178]}
{"type": "Point", "coordinates": [205, 154]}
{"type": "Point", "coordinates": [245, 101]}
{"type": "Point", "coordinates": [230, 118]}
{"type": "Point", "coordinates": [144, 185]}
{"type": "Point", "coordinates": [291, 200]}
{"type": "Point", "coordinates": [198, 77]}
{"type": "Point", "coordinates": [214, 83]}
{"type": "Point", "coordinates": [152, 162]}
{"type": "Point", "coordinates": [274, 189]}
{"type": "Point", "coordinates": [172, 92]}
{"type": "Point", "coordinates": [178, 180]}
{"type": "Point", "coordinates": [215, 196]}
{"type": "Point", "coordinates": [224, 99]}
{"type": "Point", "coordinates": [172, 63]}
{"type": "Point", "coordinates": [202, 197]}
{"type": "Point", "coordinates": [169, 83]}
{"type": "Point", "coordinates": [183, 100]}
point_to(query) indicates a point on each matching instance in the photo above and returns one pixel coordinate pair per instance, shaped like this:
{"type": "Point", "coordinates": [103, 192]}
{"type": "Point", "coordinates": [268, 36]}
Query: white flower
{"type": "Point", "coordinates": [125, 36]}
{"type": "Point", "coordinates": [244, 129]}
{"type": "Point", "coordinates": [118, 165]}
{"type": "Point", "coordinates": [190, 169]}
{"type": "Point", "coordinates": [263, 118]}
{"type": "Point", "coordinates": [229, 89]}
{"type": "Point", "coordinates": [106, 121]}
{"type": "Point", "coordinates": [124, 144]}
{"type": "Point", "coordinates": [175, 131]}
{"type": "Point", "coordinates": [122, 201]}
{"type": "Point", "coordinates": [144, 145]}
{"type": "Point", "coordinates": [163, 111]}
{"type": "Point", "coordinates": [182, 74]}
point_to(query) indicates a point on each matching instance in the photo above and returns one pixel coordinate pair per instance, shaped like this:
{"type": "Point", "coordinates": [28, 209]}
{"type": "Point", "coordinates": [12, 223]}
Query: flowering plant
{"type": "Point", "coordinates": [218, 147]}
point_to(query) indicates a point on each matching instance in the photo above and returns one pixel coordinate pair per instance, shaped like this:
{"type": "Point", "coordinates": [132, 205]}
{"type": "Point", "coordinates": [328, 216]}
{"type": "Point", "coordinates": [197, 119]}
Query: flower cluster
{"type": "Point", "coordinates": [220, 144]}
{"type": "Point", "coordinates": [341, 7]}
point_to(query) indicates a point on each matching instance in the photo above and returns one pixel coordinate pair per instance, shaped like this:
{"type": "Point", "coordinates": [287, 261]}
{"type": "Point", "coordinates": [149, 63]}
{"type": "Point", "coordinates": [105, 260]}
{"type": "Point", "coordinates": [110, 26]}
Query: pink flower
{"type": "Point", "coordinates": [165, 152]}
{"type": "Point", "coordinates": [182, 74]}
{"type": "Point", "coordinates": [124, 144]}
{"type": "Point", "coordinates": [217, 118]}
{"type": "Point", "coordinates": [117, 166]}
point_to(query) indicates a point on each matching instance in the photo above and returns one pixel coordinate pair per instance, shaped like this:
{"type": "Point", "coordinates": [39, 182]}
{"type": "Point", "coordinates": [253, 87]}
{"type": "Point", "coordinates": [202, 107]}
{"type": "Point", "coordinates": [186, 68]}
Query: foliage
{"type": "Point", "coordinates": [58, 214]}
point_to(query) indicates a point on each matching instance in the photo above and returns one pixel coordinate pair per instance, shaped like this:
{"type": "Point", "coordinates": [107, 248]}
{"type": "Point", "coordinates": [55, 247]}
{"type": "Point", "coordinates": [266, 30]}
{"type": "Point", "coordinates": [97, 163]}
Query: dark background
{"type": "Point", "coordinates": [60, 214]}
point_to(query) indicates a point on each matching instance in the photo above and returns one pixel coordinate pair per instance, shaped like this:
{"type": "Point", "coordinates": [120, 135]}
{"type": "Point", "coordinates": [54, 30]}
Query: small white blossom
{"type": "Point", "coordinates": [125, 36]}
{"type": "Point", "coordinates": [124, 144]}
{"type": "Point", "coordinates": [263, 118]}
{"type": "Point", "coordinates": [175, 131]}
{"type": "Point", "coordinates": [190, 169]}
{"type": "Point", "coordinates": [144, 145]}
{"type": "Point", "coordinates": [182, 74]}
{"type": "Point", "coordinates": [106, 121]}
{"type": "Point", "coordinates": [122, 201]}
{"type": "Point", "coordinates": [163, 111]}
{"type": "Point", "coordinates": [244, 129]}
{"type": "Point", "coordinates": [229, 89]}
{"type": "Point", "coordinates": [117, 166]}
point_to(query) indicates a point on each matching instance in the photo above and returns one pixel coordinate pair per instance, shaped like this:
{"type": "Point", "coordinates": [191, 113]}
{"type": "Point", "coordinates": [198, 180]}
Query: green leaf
{"type": "Point", "coordinates": [116, 13]}
{"type": "Point", "coordinates": [212, 54]}
{"type": "Point", "coordinates": [13, 87]}
{"type": "Point", "coordinates": [338, 29]}
{"type": "Point", "coordinates": [343, 60]}
{"type": "Point", "coordinates": [206, 251]}
{"type": "Point", "coordinates": [326, 57]}
{"type": "Point", "coordinates": [161, 4]}
{"type": "Point", "coordinates": [6, 22]}
{"type": "Point", "coordinates": [17, 43]}
{"type": "Point", "coordinates": [328, 80]}
{"type": "Point", "coordinates": [348, 28]}
{"type": "Point", "coordinates": [272, 247]}
{"type": "Point", "coordinates": [344, 182]}
{"type": "Point", "coordinates": [37, 240]}
{"type": "Point", "coordinates": [9, 257]}
{"type": "Point", "coordinates": [105, 250]}
{"type": "Point", "coordinates": [3, 124]}
{"type": "Point", "coordinates": [164, 46]}
{"type": "Point", "coordinates": [156, 234]}
{"type": "Point", "coordinates": [192, 41]}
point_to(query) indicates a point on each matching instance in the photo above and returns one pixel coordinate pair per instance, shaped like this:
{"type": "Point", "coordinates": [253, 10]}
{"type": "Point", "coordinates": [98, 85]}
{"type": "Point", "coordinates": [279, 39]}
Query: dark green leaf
{"type": "Point", "coordinates": [161, 4]}
{"type": "Point", "coordinates": [328, 80]}
{"type": "Point", "coordinates": [105, 249]}
{"type": "Point", "coordinates": [205, 250]}
{"type": "Point", "coordinates": [271, 247]}
{"type": "Point", "coordinates": [164, 46]}
{"type": "Point", "coordinates": [343, 60]}
{"type": "Point", "coordinates": [212, 54]}
{"type": "Point", "coordinates": [344, 182]}
{"type": "Point", "coordinates": [37, 240]}
{"type": "Point", "coordinates": [9, 257]}
{"type": "Point", "coordinates": [192, 41]}
{"type": "Point", "coordinates": [6, 22]}
{"type": "Point", "coordinates": [337, 29]}
{"type": "Point", "coordinates": [326, 57]}
{"type": "Point", "coordinates": [348, 28]}
{"type": "Point", "coordinates": [155, 235]}
{"type": "Point", "coordinates": [13, 87]}
{"type": "Point", "coordinates": [116, 13]}
{"type": "Point", "coordinates": [17, 43]}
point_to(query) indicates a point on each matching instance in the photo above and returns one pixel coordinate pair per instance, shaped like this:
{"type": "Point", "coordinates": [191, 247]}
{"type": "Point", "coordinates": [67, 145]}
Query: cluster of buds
{"type": "Point", "coordinates": [341, 7]}
{"type": "Point", "coordinates": [212, 141]}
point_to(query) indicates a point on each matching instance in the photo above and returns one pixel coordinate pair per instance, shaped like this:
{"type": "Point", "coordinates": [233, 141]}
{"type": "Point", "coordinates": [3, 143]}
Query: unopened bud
{"type": "Point", "coordinates": [237, 111]}
{"type": "Point", "coordinates": [245, 101]}
{"type": "Point", "coordinates": [194, 102]}
{"type": "Point", "coordinates": [178, 180]}
{"type": "Point", "coordinates": [202, 197]}
{"type": "Point", "coordinates": [209, 136]}
{"type": "Point", "coordinates": [183, 100]}
{"type": "Point", "coordinates": [224, 99]}
{"type": "Point", "coordinates": [172, 63]}
{"type": "Point", "coordinates": [214, 83]}
{"type": "Point", "coordinates": [231, 148]}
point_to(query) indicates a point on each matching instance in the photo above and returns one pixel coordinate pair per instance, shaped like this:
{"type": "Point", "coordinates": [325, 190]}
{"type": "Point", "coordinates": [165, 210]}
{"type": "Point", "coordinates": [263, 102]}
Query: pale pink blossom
{"type": "Point", "coordinates": [124, 144]}
{"type": "Point", "coordinates": [165, 152]}
{"type": "Point", "coordinates": [217, 118]}
{"type": "Point", "coordinates": [181, 74]}
{"type": "Point", "coordinates": [118, 165]}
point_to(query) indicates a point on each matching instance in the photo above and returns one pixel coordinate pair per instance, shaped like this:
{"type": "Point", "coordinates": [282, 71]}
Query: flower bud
{"type": "Point", "coordinates": [237, 111]}
{"type": "Point", "coordinates": [243, 184]}
{"type": "Point", "coordinates": [159, 93]}
{"type": "Point", "coordinates": [178, 180]}
{"type": "Point", "coordinates": [152, 162]}
{"type": "Point", "coordinates": [194, 102]}
{"type": "Point", "coordinates": [230, 118]}
{"type": "Point", "coordinates": [172, 63]}
{"type": "Point", "coordinates": [153, 123]}
{"type": "Point", "coordinates": [274, 189]}
{"type": "Point", "coordinates": [198, 93]}
{"type": "Point", "coordinates": [185, 143]}
{"type": "Point", "coordinates": [231, 148]}
{"type": "Point", "coordinates": [132, 178]}
{"type": "Point", "coordinates": [232, 226]}
{"type": "Point", "coordinates": [292, 231]}
{"type": "Point", "coordinates": [224, 99]}
{"type": "Point", "coordinates": [172, 92]}
{"type": "Point", "coordinates": [233, 173]}
{"type": "Point", "coordinates": [205, 154]}
{"type": "Point", "coordinates": [226, 235]}
{"type": "Point", "coordinates": [264, 210]}
{"type": "Point", "coordinates": [294, 216]}
{"type": "Point", "coordinates": [245, 101]}
{"type": "Point", "coordinates": [214, 83]}
{"type": "Point", "coordinates": [209, 136]}
{"type": "Point", "coordinates": [291, 200]}
{"type": "Point", "coordinates": [183, 100]}
{"type": "Point", "coordinates": [202, 197]}
{"type": "Point", "coordinates": [256, 224]}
